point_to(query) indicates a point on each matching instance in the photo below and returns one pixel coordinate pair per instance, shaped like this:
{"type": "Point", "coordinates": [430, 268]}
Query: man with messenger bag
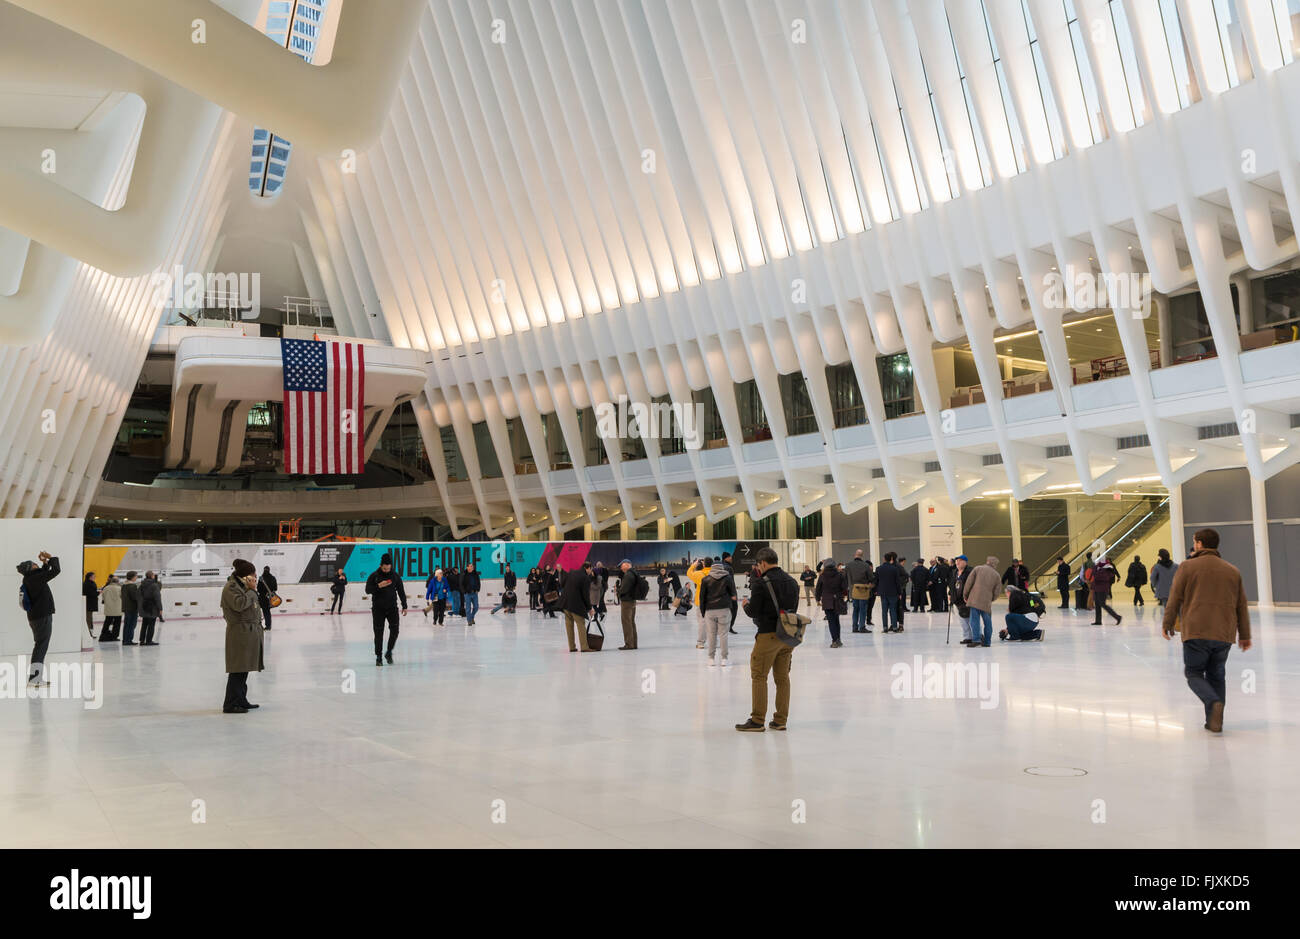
{"type": "Point", "coordinates": [771, 605]}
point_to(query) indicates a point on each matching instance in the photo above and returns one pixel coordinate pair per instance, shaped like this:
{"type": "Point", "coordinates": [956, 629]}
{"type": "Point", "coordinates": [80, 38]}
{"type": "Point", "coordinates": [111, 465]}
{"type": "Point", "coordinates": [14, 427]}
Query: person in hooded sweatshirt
{"type": "Point", "coordinates": [1162, 576]}
{"type": "Point", "coordinates": [1137, 579]}
{"type": "Point", "coordinates": [717, 593]}
{"type": "Point", "coordinates": [384, 588]}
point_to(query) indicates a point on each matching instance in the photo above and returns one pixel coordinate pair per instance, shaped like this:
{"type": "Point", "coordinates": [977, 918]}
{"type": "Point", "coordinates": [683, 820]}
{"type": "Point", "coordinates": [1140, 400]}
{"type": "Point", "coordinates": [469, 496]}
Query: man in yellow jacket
{"type": "Point", "coordinates": [696, 574]}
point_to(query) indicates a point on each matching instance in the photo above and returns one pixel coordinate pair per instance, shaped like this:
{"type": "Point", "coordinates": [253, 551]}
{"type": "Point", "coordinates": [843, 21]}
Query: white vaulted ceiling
{"type": "Point", "coordinates": [564, 201]}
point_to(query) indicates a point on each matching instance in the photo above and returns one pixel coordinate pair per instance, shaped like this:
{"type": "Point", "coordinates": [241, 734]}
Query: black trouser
{"type": "Point", "coordinates": [41, 628]}
{"type": "Point", "coordinates": [146, 629]}
{"type": "Point", "coordinates": [337, 602]}
{"type": "Point", "coordinates": [735, 608]}
{"type": "Point", "coordinates": [833, 621]}
{"type": "Point", "coordinates": [871, 606]}
{"type": "Point", "coordinates": [665, 601]}
{"type": "Point", "coordinates": [918, 600]}
{"type": "Point", "coordinates": [391, 616]}
{"type": "Point", "coordinates": [236, 690]}
{"type": "Point", "coordinates": [1204, 661]}
{"type": "Point", "coordinates": [439, 611]}
{"type": "Point", "coordinates": [1065, 598]}
{"type": "Point", "coordinates": [266, 612]}
{"type": "Point", "coordinates": [110, 628]}
{"type": "Point", "coordinates": [1137, 597]}
{"type": "Point", "coordinates": [1101, 601]}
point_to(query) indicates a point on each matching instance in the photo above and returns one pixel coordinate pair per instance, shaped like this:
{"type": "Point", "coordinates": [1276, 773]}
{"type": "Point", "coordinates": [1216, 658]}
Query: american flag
{"type": "Point", "coordinates": [324, 400]}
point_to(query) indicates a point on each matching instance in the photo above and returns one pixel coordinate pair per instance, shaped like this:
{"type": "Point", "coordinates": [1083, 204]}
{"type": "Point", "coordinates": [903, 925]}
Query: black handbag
{"type": "Point", "coordinates": [595, 640]}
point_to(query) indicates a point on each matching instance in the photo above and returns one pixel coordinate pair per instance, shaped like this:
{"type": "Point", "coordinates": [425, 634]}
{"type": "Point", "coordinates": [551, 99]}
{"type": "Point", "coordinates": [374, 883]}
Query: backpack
{"type": "Point", "coordinates": [641, 589]}
{"type": "Point", "coordinates": [1037, 605]}
{"type": "Point", "coordinates": [24, 598]}
{"type": "Point", "coordinates": [1087, 575]}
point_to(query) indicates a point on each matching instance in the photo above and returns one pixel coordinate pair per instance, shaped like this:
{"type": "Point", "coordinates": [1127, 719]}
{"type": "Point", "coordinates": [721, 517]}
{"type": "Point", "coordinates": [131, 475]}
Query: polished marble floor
{"type": "Point", "coordinates": [497, 736]}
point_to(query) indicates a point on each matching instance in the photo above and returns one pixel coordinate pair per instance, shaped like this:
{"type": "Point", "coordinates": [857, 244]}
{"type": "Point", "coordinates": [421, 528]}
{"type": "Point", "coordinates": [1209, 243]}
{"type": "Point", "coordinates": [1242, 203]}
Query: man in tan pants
{"type": "Point", "coordinates": [770, 653]}
{"type": "Point", "coordinates": [627, 605]}
{"type": "Point", "coordinates": [575, 601]}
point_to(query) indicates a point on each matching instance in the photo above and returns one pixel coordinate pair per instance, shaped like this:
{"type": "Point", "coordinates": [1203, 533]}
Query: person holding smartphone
{"type": "Point", "coordinates": [384, 588]}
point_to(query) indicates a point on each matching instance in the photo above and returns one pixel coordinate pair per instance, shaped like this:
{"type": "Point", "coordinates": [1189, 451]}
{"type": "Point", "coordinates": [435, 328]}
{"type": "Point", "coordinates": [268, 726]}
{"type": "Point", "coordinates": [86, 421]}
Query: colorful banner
{"type": "Point", "coordinates": [201, 564]}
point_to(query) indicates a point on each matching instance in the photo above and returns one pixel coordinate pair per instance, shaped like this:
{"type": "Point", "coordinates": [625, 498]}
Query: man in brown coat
{"type": "Point", "coordinates": [983, 586]}
{"type": "Point", "coordinates": [1207, 603]}
{"type": "Point", "coordinates": [243, 617]}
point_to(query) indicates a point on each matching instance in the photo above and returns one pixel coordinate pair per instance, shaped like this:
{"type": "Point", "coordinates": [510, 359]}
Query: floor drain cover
{"type": "Point", "coordinates": [1055, 771]}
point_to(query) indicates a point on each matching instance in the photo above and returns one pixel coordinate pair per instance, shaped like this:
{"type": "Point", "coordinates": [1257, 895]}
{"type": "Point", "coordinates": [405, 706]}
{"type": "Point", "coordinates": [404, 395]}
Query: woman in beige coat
{"type": "Point", "coordinates": [243, 617]}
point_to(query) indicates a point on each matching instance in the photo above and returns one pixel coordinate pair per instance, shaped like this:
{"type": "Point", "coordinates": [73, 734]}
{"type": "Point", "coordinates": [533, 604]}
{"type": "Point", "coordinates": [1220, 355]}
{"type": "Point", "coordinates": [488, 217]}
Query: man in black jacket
{"type": "Point", "coordinates": [626, 593]}
{"type": "Point", "coordinates": [1063, 581]}
{"type": "Point", "coordinates": [891, 587]}
{"type": "Point", "coordinates": [1137, 579]}
{"type": "Point", "coordinates": [470, 585]}
{"type": "Point", "coordinates": [730, 564]}
{"type": "Point", "coordinates": [575, 601]}
{"type": "Point", "coordinates": [40, 609]}
{"type": "Point", "coordinates": [1017, 575]}
{"type": "Point", "coordinates": [130, 607]}
{"type": "Point", "coordinates": [770, 653]}
{"type": "Point", "coordinates": [384, 588]}
{"type": "Point", "coordinates": [267, 586]}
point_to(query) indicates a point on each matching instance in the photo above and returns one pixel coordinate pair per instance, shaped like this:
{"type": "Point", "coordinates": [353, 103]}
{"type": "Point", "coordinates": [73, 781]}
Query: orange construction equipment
{"type": "Point", "coordinates": [289, 529]}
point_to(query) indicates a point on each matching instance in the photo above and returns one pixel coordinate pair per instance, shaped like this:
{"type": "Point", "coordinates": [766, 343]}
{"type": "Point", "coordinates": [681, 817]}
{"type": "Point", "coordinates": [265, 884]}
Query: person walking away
{"type": "Point", "coordinates": [1104, 576]}
{"type": "Point", "coordinates": [470, 585]}
{"type": "Point", "coordinates": [1162, 576]}
{"type": "Point", "coordinates": [239, 608]}
{"type": "Point", "coordinates": [920, 578]}
{"type": "Point", "coordinates": [1022, 617]}
{"type": "Point", "coordinates": [891, 583]}
{"type": "Point", "coordinates": [130, 608]}
{"type": "Point", "coordinates": [832, 587]}
{"type": "Point", "coordinates": [575, 601]}
{"type": "Point", "coordinates": [91, 592]}
{"type": "Point", "coordinates": [714, 601]}
{"type": "Point", "coordinates": [1207, 604]}
{"type": "Point", "coordinates": [1085, 585]}
{"type": "Point", "coordinates": [112, 597]}
{"type": "Point", "coordinates": [385, 588]}
{"type": "Point", "coordinates": [150, 607]}
{"type": "Point", "coordinates": [337, 587]}
{"type": "Point", "coordinates": [956, 597]}
{"type": "Point", "coordinates": [809, 580]}
{"type": "Point", "coordinates": [859, 574]}
{"type": "Point", "coordinates": [775, 592]}
{"type": "Point", "coordinates": [1137, 579]}
{"type": "Point", "coordinates": [626, 592]}
{"type": "Point", "coordinates": [982, 587]}
{"type": "Point", "coordinates": [38, 602]}
{"type": "Point", "coordinates": [1063, 582]}
{"type": "Point", "coordinates": [267, 585]}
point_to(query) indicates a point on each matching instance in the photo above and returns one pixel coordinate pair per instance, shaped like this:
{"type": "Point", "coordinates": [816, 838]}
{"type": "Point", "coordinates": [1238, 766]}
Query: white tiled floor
{"type": "Point", "coordinates": [580, 754]}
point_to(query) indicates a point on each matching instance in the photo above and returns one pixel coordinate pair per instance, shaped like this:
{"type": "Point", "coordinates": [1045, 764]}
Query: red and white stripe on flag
{"type": "Point", "coordinates": [323, 432]}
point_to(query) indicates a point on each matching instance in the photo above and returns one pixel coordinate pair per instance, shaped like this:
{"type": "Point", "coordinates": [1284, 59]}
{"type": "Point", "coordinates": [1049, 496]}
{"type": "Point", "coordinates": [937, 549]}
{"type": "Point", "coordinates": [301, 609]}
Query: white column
{"type": "Point", "coordinates": [1263, 557]}
{"type": "Point", "coordinates": [1165, 327]}
{"type": "Point", "coordinates": [1015, 527]}
{"type": "Point", "coordinates": [1177, 537]}
{"type": "Point", "coordinates": [826, 545]}
{"type": "Point", "coordinates": [873, 532]}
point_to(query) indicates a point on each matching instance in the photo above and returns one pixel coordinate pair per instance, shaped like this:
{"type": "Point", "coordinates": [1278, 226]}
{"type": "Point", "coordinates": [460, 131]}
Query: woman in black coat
{"type": "Point", "coordinates": [550, 584]}
{"type": "Point", "coordinates": [832, 587]}
{"type": "Point", "coordinates": [1137, 579]}
{"type": "Point", "coordinates": [1063, 582]}
{"type": "Point", "coordinates": [91, 592]}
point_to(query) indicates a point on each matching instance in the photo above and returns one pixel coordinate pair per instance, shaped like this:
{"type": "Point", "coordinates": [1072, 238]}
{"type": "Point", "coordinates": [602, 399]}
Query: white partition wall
{"type": "Point", "coordinates": [21, 539]}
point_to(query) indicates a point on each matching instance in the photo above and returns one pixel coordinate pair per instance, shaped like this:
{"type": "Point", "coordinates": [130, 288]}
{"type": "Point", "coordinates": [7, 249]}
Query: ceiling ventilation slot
{"type": "Point", "coordinates": [1057, 452]}
{"type": "Point", "coordinates": [932, 466]}
{"type": "Point", "coordinates": [992, 459]}
{"type": "Point", "coordinates": [877, 473]}
{"type": "Point", "coordinates": [1133, 443]}
{"type": "Point", "coordinates": [1216, 431]}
